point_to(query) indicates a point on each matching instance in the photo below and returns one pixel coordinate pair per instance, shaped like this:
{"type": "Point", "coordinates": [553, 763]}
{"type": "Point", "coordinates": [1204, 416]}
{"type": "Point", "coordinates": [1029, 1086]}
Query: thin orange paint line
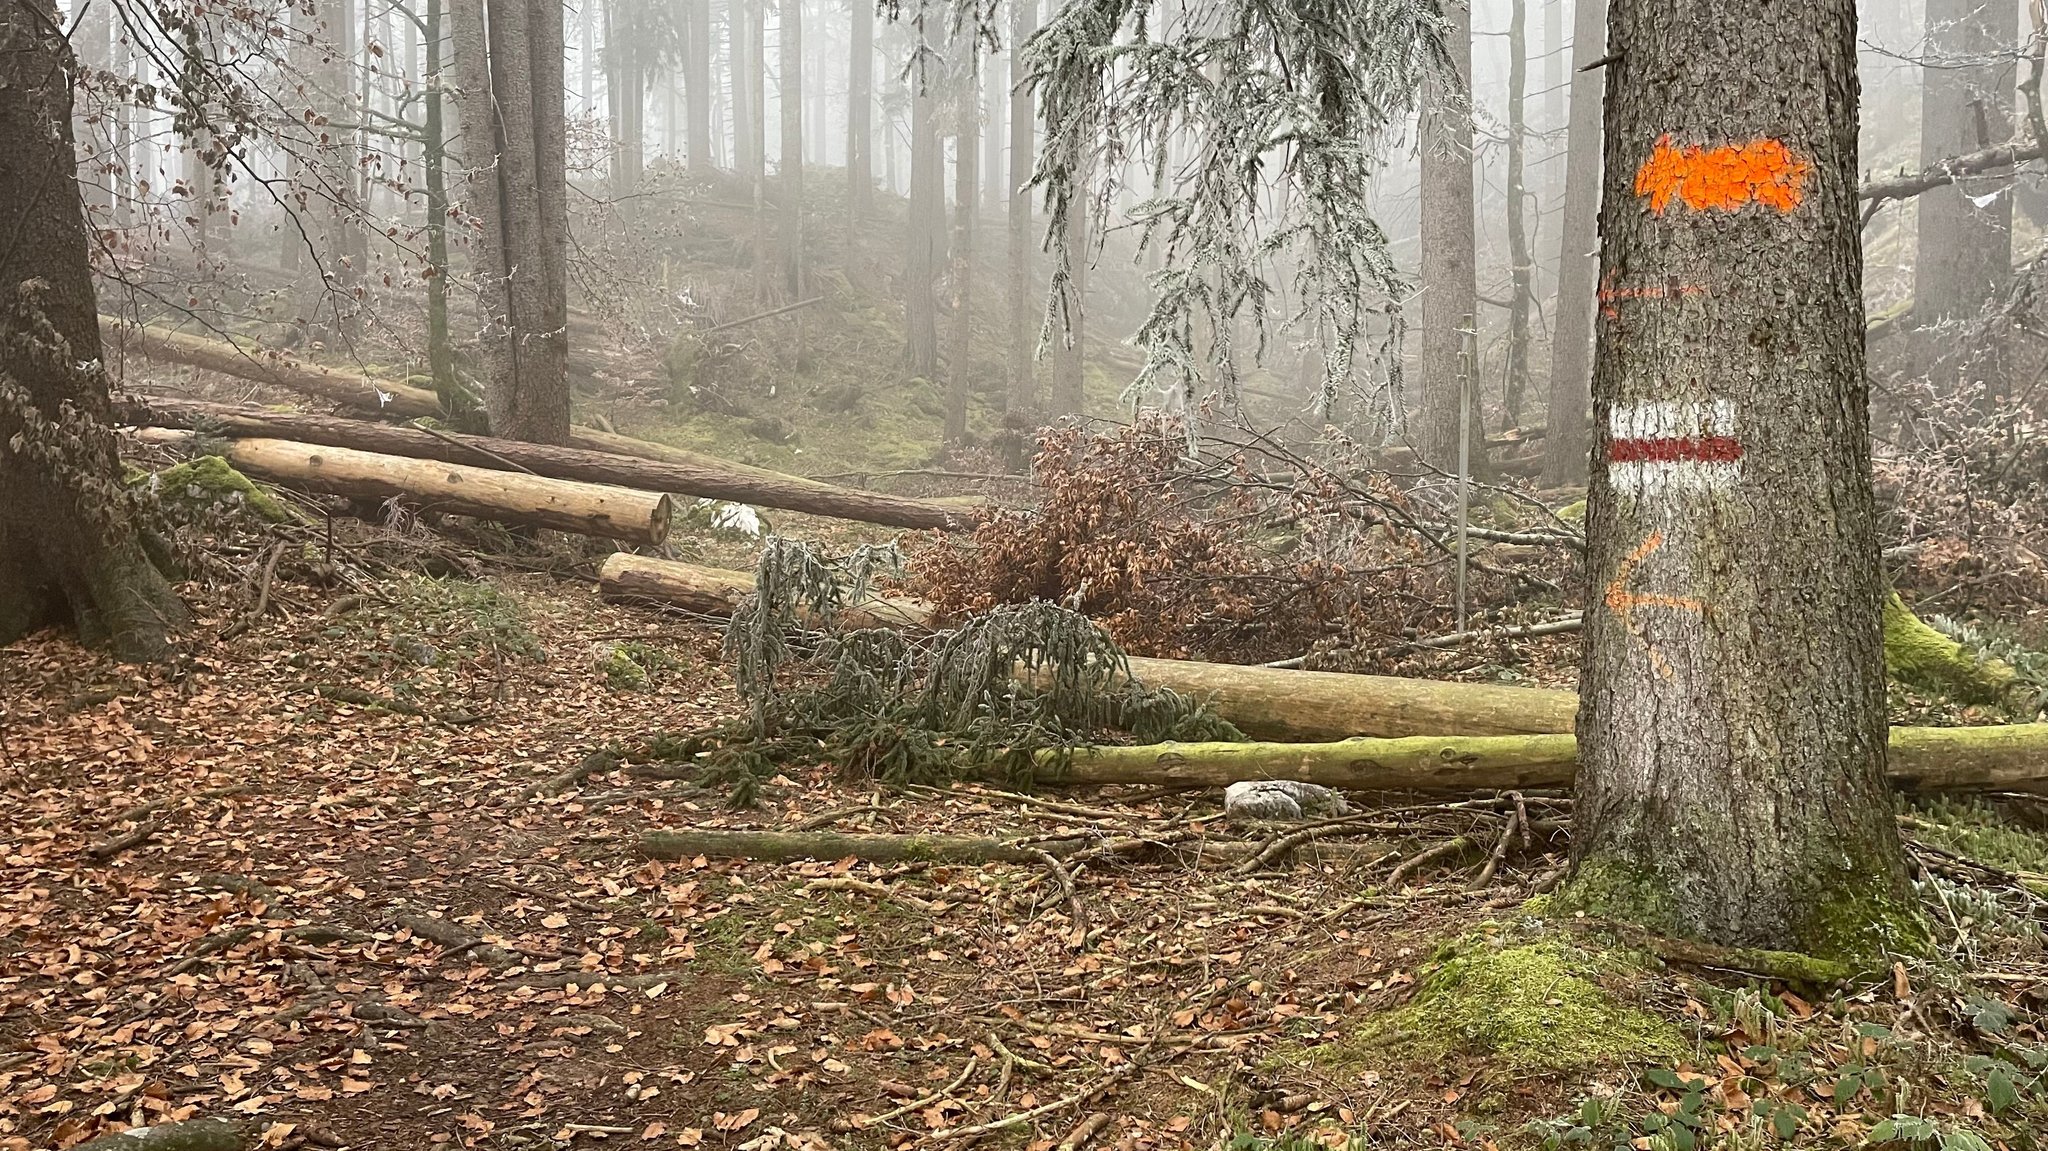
{"type": "Point", "coordinates": [1623, 602]}
{"type": "Point", "coordinates": [1723, 179]}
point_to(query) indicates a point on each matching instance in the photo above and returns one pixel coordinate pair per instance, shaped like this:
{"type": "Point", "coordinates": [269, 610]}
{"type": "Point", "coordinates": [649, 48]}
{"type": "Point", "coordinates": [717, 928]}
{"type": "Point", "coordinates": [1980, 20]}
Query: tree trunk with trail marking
{"type": "Point", "coordinates": [1449, 258]}
{"type": "Point", "coordinates": [1733, 684]}
{"type": "Point", "coordinates": [69, 548]}
{"type": "Point", "coordinates": [1578, 266]}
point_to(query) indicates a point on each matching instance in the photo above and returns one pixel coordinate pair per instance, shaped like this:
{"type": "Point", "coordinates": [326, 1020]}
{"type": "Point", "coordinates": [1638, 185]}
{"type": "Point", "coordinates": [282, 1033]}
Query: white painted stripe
{"type": "Point", "coordinates": [1672, 419]}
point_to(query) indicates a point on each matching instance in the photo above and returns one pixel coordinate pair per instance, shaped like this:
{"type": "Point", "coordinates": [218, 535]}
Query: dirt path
{"type": "Point", "coordinates": [314, 881]}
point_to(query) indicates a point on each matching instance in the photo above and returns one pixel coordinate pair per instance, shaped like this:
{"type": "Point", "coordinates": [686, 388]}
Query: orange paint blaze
{"type": "Point", "coordinates": [1723, 179]}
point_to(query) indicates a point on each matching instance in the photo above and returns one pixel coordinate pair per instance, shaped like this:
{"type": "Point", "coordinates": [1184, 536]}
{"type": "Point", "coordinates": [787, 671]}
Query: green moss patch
{"type": "Point", "coordinates": [1535, 1005]}
{"type": "Point", "coordinates": [1917, 655]}
{"type": "Point", "coordinates": [208, 480]}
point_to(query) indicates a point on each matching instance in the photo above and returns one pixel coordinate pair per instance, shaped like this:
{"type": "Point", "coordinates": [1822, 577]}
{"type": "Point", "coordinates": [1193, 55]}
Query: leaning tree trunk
{"type": "Point", "coordinates": [69, 547]}
{"type": "Point", "coordinates": [1733, 683]}
{"type": "Point", "coordinates": [1578, 266]}
{"type": "Point", "coordinates": [1965, 249]}
{"type": "Point", "coordinates": [1449, 257]}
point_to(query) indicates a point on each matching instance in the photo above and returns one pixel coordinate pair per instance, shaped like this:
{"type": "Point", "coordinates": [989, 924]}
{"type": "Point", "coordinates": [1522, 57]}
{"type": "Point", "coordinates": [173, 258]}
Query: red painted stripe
{"type": "Point", "coordinates": [1703, 449]}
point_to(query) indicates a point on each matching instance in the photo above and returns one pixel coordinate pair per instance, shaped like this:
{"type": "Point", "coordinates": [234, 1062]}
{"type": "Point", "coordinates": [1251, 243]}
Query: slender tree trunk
{"type": "Point", "coordinates": [434, 157]}
{"type": "Point", "coordinates": [1733, 697]}
{"type": "Point", "coordinates": [514, 149]}
{"type": "Point", "coordinates": [1521, 266]}
{"type": "Point", "coordinates": [1569, 435]}
{"type": "Point", "coordinates": [1022, 285]}
{"type": "Point", "coordinates": [1449, 257]}
{"type": "Point", "coordinates": [860, 115]}
{"type": "Point", "coordinates": [70, 551]}
{"type": "Point", "coordinates": [738, 21]}
{"type": "Point", "coordinates": [1555, 86]}
{"type": "Point", "coordinates": [791, 99]}
{"type": "Point", "coordinates": [927, 209]}
{"type": "Point", "coordinates": [697, 86]}
{"type": "Point", "coordinates": [966, 205]}
{"type": "Point", "coordinates": [993, 170]}
{"type": "Point", "coordinates": [1070, 339]}
{"type": "Point", "coordinates": [757, 145]}
{"type": "Point", "coordinates": [586, 57]}
{"type": "Point", "coordinates": [1965, 250]}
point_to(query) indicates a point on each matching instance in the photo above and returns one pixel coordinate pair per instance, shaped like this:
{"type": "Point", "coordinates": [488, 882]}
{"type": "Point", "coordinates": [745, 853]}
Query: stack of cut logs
{"type": "Point", "coordinates": [1389, 733]}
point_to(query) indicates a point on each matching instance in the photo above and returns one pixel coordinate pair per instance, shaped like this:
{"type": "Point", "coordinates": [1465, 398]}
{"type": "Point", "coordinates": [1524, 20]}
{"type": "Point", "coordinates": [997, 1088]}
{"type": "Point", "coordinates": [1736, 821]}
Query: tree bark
{"type": "Point", "coordinates": [508, 57]}
{"type": "Point", "coordinates": [716, 593]}
{"type": "Point", "coordinates": [697, 85]}
{"type": "Point", "coordinates": [1070, 335]}
{"type": "Point", "coordinates": [603, 510]}
{"type": "Point", "coordinates": [1965, 250]}
{"type": "Point", "coordinates": [1450, 292]}
{"type": "Point", "coordinates": [1569, 438]}
{"type": "Point", "coordinates": [927, 211]}
{"type": "Point", "coordinates": [357, 390]}
{"type": "Point", "coordinates": [860, 116]}
{"type": "Point", "coordinates": [1521, 266]}
{"type": "Point", "coordinates": [594, 460]}
{"type": "Point", "coordinates": [1022, 289]}
{"type": "Point", "coordinates": [966, 207]}
{"type": "Point", "coordinates": [1732, 690]}
{"type": "Point", "coordinates": [790, 99]}
{"type": "Point", "coordinates": [70, 551]}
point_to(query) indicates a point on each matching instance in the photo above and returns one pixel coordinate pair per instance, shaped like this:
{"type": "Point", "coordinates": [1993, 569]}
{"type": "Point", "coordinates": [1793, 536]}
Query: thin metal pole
{"type": "Point", "coordinates": [1465, 367]}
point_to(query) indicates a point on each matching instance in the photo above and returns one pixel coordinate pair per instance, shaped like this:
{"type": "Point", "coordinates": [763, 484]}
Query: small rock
{"type": "Point", "coordinates": [1282, 799]}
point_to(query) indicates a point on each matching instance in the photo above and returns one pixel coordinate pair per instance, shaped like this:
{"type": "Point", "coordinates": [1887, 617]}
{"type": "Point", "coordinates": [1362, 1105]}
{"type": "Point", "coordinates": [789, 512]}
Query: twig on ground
{"type": "Point", "coordinates": [1500, 850]}
{"type": "Point", "coordinates": [1442, 850]}
{"type": "Point", "coordinates": [596, 763]}
{"type": "Point", "coordinates": [1085, 1131]}
{"type": "Point", "coordinates": [155, 805]}
{"type": "Point", "coordinates": [934, 1097]}
{"type": "Point", "coordinates": [262, 597]}
{"type": "Point", "coordinates": [1077, 913]}
{"type": "Point", "coordinates": [864, 887]}
{"type": "Point", "coordinates": [1019, 1118]}
{"type": "Point", "coordinates": [120, 843]}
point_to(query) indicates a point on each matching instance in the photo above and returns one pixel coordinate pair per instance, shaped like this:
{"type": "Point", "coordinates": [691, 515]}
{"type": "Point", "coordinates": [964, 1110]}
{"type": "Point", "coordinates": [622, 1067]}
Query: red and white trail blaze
{"type": "Point", "coordinates": [1673, 444]}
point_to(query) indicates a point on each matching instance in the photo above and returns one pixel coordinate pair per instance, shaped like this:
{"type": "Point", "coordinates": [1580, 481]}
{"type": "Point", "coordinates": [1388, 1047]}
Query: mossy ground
{"type": "Point", "coordinates": [207, 481]}
{"type": "Point", "coordinates": [1525, 1002]}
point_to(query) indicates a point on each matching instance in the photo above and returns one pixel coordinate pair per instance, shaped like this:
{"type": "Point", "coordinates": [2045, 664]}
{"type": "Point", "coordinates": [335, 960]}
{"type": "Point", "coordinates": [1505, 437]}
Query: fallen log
{"type": "Point", "coordinates": [355, 389]}
{"type": "Point", "coordinates": [684, 473]}
{"type": "Point", "coordinates": [1265, 703]}
{"type": "Point", "coordinates": [778, 846]}
{"type": "Point", "coordinates": [2010, 757]}
{"type": "Point", "coordinates": [510, 497]}
{"type": "Point", "coordinates": [190, 1135]}
{"type": "Point", "coordinates": [715, 592]}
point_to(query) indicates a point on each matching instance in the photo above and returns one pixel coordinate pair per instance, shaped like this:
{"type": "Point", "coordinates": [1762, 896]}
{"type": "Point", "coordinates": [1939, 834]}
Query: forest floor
{"type": "Point", "coordinates": [338, 878]}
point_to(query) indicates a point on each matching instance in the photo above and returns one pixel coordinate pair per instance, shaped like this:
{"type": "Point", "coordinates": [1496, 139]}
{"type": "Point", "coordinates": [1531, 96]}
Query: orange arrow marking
{"type": "Point", "coordinates": [1723, 179]}
{"type": "Point", "coordinates": [1623, 602]}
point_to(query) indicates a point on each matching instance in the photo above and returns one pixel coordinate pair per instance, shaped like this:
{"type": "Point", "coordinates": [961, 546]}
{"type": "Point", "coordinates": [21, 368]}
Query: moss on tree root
{"type": "Point", "coordinates": [210, 479]}
{"type": "Point", "coordinates": [1526, 1005]}
{"type": "Point", "coordinates": [1922, 657]}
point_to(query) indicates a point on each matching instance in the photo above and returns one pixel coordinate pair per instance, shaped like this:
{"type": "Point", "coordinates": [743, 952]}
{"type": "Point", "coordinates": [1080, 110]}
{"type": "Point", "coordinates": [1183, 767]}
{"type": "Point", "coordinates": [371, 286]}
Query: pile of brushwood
{"type": "Point", "coordinates": [909, 706]}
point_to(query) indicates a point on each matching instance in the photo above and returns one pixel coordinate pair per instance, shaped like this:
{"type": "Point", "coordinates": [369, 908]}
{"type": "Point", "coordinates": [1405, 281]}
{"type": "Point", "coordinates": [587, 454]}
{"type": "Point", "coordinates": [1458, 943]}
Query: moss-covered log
{"type": "Point", "coordinates": [649, 467]}
{"type": "Point", "coordinates": [2013, 757]}
{"type": "Point", "coordinates": [1922, 657]}
{"type": "Point", "coordinates": [1270, 703]}
{"type": "Point", "coordinates": [510, 497]}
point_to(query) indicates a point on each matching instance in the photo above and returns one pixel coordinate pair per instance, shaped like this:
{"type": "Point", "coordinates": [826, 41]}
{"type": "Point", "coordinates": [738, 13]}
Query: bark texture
{"type": "Point", "coordinates": [925, 242]}
{"type": "Point", "coordinates": [966, 207]}
{"type": "Point", "coordinates": [1965, 249]}
{"type": "Point", "coordinates": [1732, 700]}
{"type": "Point", "coordinates": [1449, 261]}
{"type": "Point", "coordinates": [1023, 157]}
{"type": "Point", "coordinates": [508, 57]}
{"type": "Point", "coordinates": [69, 549]}
{"type": "Point", "coordinates": [1578, 264]}
{"type": "Point", "coordinates": [860, 113]}
{"type": "Point", "coordinates": [790, 97]}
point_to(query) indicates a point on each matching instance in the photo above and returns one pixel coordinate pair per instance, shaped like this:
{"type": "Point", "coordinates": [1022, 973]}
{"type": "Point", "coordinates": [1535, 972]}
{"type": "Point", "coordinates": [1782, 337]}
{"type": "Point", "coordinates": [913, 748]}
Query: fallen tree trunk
{"type": "Point", "coordinates": [511, 497]}
{"type": "Point", "coordinates": [190, 1135]}
{"type": "Point", "coordinates": [1905, 185]}
{"type": "Point", "coordinates": [716, 592]}
{"type": "Point", "coordinates": [2011, 757]}
{"type": "Point", "coordinates": [1265, 703]}
{"type": "Point", "coordinates": [688, 474]}
{"type": "Point", "coordinates": [357, 390]}
{"type": "Point", "coordinates": [778, 846]}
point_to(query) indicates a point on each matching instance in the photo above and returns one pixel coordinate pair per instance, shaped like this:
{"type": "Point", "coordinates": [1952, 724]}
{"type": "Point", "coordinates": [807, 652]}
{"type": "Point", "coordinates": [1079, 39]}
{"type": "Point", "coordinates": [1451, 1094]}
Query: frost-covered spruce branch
{"type": "Point", "coordinates": [1260, 124]}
